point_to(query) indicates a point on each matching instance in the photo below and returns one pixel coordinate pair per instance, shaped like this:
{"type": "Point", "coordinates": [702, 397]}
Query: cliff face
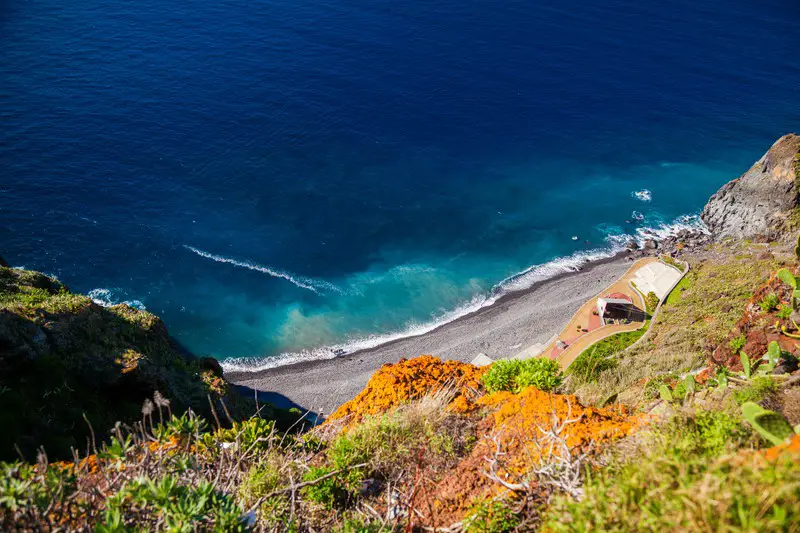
{"type": "Point", "coordinates": [761, 203]}
{"type": "Point", "coordinates": [63, 356]}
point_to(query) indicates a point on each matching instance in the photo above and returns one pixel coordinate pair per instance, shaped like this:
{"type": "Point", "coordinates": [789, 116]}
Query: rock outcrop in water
{"type": "Point", "coordinates": [763, 202]}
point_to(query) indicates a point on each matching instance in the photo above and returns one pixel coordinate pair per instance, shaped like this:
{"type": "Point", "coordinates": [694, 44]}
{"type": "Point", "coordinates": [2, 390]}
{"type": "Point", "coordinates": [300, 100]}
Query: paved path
{"type": "Point", "coordinates": [584, 328]}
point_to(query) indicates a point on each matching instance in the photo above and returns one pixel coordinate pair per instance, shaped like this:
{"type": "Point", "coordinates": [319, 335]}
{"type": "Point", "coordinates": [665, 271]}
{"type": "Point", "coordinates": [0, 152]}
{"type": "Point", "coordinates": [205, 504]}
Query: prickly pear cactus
{"type": "Point", "coordinates": [665, 393]}
{"type": "Point", "coordinates": [769, 424]}
{"type": "Point", "coordinates": [797, 247]}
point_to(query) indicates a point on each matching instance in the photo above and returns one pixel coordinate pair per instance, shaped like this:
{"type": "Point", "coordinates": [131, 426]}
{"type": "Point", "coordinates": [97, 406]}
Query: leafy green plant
{"type": "Point", "coordinates": [187, 424]}
{"type": "Point", "coordinates": [771, 425]}
{"type": "Point", "coordinates": [721, 377]}
{"type": "Point", "coordinates": [182, 508]}
{"type": "Point", "coordinates": [747, 368]}
{"type": "Point", "coordinates": [794, 283]}
{"type": "Point", "coordinates": [329, 492]}
{"type": "Point", "coordinates": [784, 312]}
{"type": "Point", "coordinates": [691, 384]}
{"type": "Point", "coordinates": [501, 375]}
{"type": "Point", "coordinates": [117, 449]}
{"type": "Point", "coordinates": [651, 302]}
{"type": "Point", "coordinates": [737, 343]}
{"type": "Point", "coordinates": [769, 302]}
{"type": "Point", "coordinates": [491, 516]}
{"type": "Point", "coordinates": [665, 393]}
{"type": "Point", "coordinates": [540, 372]}
{"type": "Point", "coordinates": [759, 388]}
{"type": "Point", "coordinates": [252, 434]}
{"type": "Point", "coordinates": [514, 375]}
{"type": "Point", "coordinates": [770, 359]}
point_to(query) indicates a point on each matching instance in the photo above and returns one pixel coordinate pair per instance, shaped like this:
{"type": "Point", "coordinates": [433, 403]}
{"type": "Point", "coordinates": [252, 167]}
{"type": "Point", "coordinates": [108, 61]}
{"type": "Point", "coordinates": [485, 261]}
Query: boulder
{"type": "Point", "coordinates": [762, 201]}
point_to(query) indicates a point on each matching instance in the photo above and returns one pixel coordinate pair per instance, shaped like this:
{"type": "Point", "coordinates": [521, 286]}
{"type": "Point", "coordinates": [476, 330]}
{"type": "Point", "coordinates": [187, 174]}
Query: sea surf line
{"type": "Point", "coordinates": [316, 286]}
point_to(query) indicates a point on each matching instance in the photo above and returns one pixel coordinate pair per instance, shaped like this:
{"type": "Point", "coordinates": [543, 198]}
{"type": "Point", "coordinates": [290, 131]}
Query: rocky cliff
{"type": "Point", "coordinates": [63, 357]}
{"type": "Point", "coordinates": [763, 202]}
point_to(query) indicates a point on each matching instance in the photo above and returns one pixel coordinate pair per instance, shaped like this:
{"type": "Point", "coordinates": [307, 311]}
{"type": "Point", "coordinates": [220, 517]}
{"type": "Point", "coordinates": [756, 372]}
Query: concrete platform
{"type": "Point", "coordinates": [656, 277]}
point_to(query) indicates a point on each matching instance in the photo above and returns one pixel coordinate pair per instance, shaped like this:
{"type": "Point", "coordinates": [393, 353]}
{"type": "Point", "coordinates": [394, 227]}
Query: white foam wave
{"type": "Point", "coordinates": [616, 239]}
{"type": "Point", "coordinates": [691, 223]}
{"type": "Point", "coordinates": [255, 364]}
{"type": "Point", "coordinates": [518, 282]}
{"type": "Point", "coordinates": [107, 298]}
{"type": "Point", "coordinates": [644, 195]}
{"type": "Point", "coordinates": [571, 263]}
{"type": "Point", "coordinates": [312, 285]}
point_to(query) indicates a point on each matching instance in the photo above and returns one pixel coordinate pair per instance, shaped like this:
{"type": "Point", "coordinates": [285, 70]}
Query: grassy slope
{"type": "Point", "coordinates": [697, 316]}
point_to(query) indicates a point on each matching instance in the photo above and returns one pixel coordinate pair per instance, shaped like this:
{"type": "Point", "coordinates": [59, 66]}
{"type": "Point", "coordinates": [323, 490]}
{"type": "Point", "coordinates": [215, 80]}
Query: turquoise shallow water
{"type": "Point", "coordinates": [280, 178]}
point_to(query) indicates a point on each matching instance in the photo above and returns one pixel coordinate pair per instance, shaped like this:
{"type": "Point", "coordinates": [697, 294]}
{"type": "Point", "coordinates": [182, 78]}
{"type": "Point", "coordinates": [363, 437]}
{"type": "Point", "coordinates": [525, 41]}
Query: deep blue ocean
{"type": "Point", "coordinates": [275, 177]}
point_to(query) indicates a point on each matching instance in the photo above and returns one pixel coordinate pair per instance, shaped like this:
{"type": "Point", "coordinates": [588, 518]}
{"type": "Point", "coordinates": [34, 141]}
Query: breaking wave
{"type": "Point", "coordinates": [109, 297]}
{"type": "Point", "coordinates": [313, 285]}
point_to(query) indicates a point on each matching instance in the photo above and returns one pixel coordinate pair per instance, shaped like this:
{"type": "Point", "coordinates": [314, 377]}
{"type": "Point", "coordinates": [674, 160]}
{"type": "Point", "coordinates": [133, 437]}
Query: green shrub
{"type": "Point", "coordinates": [653, 387]}
{"type": "Point", "coordinates": [586, 367]}
{"type": "Point", "coordinates": [491, 516]}
{"type": "Point", "coordinates": [718, 432]}
{"type": "Point", "coordinates": [542, 373]}
{"type": "Point", "coordinates": [21, 486]}
{"type": "Point", "coordinates": [679, 390]}
{"type": "Point", "coordinates": [330, 492]}
{"type": "Point", "coordinates": [263, 478]}
{"type": "Point", "coordinates": [769, 302]}
{"type": "Point", "coordinates": [27, 296]}
{"type": "Point", "coordinates": [502, 375]}
{"type": "Point", "coordinates": [784, 312]}
{"type": "Point", "coordinates": [179, 507]}
{"type": "Point", "coordinates": [514, 375]}
{"type": "Point", "coordinates": [597, 357]}
{"type": "Point", "coordinates": [737, 343]}
{"type": "Point", "coordinates": [758, 389]}
{"type": "Point", "coordinates": [382, 441]}
{"type": "Point", "coordinates": [651, 302]}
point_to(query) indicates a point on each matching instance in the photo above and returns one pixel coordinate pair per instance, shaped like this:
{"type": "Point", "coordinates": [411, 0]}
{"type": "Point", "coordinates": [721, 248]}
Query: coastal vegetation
{"type": "Point", "coordinates": [694, 428]}
{"type": "Point", "coordinates": [599, 357]}
{"type": "Point", "coordinates": [431, 443]}
{"type": "Point", "coordinates": [514, 375]}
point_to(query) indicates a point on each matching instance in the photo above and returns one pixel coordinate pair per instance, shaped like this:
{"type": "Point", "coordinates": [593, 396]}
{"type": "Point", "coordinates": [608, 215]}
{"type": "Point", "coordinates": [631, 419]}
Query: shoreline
{"type": "Point", "coordinates": [518, 318]}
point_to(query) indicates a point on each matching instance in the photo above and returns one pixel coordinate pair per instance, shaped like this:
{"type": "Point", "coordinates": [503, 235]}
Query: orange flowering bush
{"type": "Point", "coordinates": [409, 379]}
{"type": "Point", "coordinates": [518, 436]}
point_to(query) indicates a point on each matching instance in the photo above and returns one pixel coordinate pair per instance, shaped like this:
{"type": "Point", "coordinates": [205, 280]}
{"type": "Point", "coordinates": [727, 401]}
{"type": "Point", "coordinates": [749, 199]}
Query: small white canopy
{"type": "Point", "coordinates": [603, 303]}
